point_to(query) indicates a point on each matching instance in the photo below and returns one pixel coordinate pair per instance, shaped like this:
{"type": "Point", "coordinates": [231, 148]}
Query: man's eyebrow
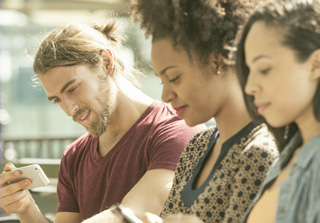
{"type": "Point", "coordinates": [51, 98]}
{"type": "Point", "coordinates": [66, 85]}
{"type": "Point", "coordinates": [167, 68]}
{"type": "Point", "coordinates": [63, 88]}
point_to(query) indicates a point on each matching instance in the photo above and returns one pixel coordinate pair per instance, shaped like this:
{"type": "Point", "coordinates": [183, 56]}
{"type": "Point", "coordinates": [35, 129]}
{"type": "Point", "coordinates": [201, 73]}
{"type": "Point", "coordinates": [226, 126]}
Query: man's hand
{"type": "Point", "coordinates": [13, 197]}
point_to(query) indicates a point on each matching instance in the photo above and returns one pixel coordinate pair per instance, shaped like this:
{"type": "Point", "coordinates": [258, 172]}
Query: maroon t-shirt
{"type": "Point", "coordinates": [89, 183]}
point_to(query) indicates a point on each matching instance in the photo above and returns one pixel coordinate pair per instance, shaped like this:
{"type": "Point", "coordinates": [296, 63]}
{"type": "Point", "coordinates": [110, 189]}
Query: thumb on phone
{"type": "Point", "coordinates": [8, 167]}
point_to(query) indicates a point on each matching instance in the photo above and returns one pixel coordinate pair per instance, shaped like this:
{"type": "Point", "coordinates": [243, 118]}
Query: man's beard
{"type": "Point", "coordinates": [98, 127]}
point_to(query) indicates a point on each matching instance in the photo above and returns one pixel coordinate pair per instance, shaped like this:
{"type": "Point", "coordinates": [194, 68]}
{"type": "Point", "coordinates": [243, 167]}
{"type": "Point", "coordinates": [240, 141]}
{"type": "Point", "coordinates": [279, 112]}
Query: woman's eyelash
{"type": "Point", "coordinates": [174, 79]}
{"type": "Point", "coordinates": [265, 71]}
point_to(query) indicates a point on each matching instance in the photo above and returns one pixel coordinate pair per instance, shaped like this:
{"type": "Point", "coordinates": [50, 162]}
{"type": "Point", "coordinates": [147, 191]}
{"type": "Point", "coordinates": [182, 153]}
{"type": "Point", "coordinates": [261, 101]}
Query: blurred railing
{"type": "Point", "coordinates": [40, 148]}
{"type": "Point", "coordinates": [45, 151]}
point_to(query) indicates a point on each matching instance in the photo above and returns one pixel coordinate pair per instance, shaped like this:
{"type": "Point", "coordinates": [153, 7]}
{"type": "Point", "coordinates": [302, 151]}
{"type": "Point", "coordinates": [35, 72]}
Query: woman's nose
{"type": "Point", "coordinates": [251, 87]}
{"type": "Point", "coordinates": [167, 93]}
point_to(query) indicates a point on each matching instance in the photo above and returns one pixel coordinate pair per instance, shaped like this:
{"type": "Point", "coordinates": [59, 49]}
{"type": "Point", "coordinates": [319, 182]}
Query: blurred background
{"type": "Point", "coordinates": [34, 130]}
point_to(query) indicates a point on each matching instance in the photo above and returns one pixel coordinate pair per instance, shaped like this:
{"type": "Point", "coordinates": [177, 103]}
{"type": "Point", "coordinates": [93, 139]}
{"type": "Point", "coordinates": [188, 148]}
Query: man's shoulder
{"type": "Point", "coordinates": [161, 111]}
{"type": "Point", "coordinates": [80, 144]}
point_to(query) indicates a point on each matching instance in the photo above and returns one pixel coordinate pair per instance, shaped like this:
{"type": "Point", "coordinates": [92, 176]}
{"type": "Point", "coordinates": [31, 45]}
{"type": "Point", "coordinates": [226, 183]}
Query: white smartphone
{"type": "Point", "coordinates": [125, 213]}
{"type": "Point", "coordinates": [34, 173]}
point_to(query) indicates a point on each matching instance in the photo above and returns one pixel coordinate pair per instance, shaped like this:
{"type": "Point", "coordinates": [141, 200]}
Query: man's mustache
{"type": "Point", "coordinates": [78, 113]}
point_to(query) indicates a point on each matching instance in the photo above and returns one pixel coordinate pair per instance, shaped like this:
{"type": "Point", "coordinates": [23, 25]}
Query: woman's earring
{"type": "Point", "coordinates": [218, 72]}
{"type": "Point", "coordinates": [286, 132]}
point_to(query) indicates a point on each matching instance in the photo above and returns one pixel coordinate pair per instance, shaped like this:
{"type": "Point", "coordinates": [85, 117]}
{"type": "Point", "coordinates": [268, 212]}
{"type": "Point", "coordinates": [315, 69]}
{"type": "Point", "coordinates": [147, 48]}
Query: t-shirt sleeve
{"type": "Point", "coordinates": [168, 142]}
{"type": "Point", "coordinates": [67, 201]}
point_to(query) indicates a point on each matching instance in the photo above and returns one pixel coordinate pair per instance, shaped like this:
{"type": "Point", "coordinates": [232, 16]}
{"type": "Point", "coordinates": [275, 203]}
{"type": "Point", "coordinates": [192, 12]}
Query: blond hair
{"type": "Point", "coordinates": [74, 44]}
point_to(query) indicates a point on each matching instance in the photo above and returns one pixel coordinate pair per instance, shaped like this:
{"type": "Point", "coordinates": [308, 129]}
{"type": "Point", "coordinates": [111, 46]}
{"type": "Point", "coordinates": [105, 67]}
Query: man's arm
{"type": "Point", "coordinates": [67, 217]}
{"type": "Point", "coordinates": [148, 195]}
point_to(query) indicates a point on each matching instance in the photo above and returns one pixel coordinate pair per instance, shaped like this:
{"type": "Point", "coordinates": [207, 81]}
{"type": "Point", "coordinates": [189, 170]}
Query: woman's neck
{"type": "Point", "coordinates": [233, 117]}
{"type": "Point", "coordinates": [309, 129]}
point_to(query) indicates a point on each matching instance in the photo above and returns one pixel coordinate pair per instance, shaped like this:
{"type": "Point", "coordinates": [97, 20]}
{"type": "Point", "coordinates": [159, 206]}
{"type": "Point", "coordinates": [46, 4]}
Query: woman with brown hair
{"type": "Point", "coordinates": [278, 63]}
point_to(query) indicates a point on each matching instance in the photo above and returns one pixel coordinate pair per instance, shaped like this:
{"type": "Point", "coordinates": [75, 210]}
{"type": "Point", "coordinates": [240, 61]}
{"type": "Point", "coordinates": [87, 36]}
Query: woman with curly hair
{"type": "Point", "coordinates": [221, 169]}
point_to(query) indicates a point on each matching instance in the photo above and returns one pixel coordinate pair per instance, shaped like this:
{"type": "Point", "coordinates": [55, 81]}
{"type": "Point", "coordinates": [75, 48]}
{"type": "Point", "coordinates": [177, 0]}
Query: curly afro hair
{"type": "Point", "coordinates": [201, 26]}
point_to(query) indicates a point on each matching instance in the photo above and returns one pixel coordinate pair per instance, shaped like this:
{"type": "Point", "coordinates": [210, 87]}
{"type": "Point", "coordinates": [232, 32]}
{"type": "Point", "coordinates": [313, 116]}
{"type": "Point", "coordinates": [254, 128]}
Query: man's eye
{"type": "Point", "coordinates": [56, 101]}
{"type": "Point", "coordinates": [73, 88]}
{"type": "Point", "coordinates": [174, 79]}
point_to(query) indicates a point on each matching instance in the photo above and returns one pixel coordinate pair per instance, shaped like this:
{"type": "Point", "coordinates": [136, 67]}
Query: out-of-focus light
{"type": "Point", "coordinates": [5, 66]}
{"type": "Point", "coordinates": [127, 56]}
{"type": "Point", "coordinates": [105, 1]}
{"type": "Point", "coordinates": [5, 118]}
{"type": "Point", "coordinates": [10, 154]}
{"type": "Point", "coordinates": [12, 18]}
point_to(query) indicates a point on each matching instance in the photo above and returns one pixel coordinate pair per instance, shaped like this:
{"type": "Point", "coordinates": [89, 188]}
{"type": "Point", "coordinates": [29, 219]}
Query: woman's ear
{"type": "Point", "coordinates": [107, 61]}
{"type": "Point", "coordinates": [216, 64]}
{"type": "Point", "coordinates": [315, 57]}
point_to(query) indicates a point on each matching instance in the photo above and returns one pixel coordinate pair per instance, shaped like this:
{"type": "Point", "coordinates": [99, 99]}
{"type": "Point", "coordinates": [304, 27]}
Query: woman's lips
{"type": "Point", "coordinates": [180, 110]}
{"type": "Point", "coordinates": [261, 107]}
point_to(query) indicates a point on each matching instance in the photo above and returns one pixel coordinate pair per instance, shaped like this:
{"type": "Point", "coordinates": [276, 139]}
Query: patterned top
{"type": "Point", "coordinates": [234, 180]}
{"type": "Point", "coordinates": [299, 199]}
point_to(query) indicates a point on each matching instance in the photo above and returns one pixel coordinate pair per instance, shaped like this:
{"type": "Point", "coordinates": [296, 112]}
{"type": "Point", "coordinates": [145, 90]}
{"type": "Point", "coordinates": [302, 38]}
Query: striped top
{"type": "Point", "coordinates": [299, 199]}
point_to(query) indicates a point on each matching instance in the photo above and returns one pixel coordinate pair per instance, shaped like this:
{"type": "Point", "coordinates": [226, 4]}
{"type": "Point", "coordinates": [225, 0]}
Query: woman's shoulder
{"type": "Point", "coordinates": [202, 137]}
{"type": "Point", "coordinates": [260, 138]}
{"type": "Point", "coordinates": [259, 146]}
{"type": "Point", "coordinates": [198, 144]}
{"type": "Point", "coordinates": [309, 156]}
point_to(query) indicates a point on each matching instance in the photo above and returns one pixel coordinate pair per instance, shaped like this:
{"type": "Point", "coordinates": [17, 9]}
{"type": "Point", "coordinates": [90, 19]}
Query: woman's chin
{"type": "Point", "coordinates": [194, 122]}
{"type": "Point", "coordinates": [275, 123]}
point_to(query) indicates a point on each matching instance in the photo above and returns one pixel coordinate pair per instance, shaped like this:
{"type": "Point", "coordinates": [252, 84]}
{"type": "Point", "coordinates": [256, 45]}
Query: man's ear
{"type": "Point", "coordinates": [315, 57]}
{"type": "Point", "coordinates": [108, 61]}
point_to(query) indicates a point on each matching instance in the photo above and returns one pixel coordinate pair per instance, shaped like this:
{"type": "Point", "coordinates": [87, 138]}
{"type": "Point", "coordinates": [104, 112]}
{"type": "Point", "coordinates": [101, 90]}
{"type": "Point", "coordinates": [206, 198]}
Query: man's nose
{"type": "Point", "coordinates": [70, 107]}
